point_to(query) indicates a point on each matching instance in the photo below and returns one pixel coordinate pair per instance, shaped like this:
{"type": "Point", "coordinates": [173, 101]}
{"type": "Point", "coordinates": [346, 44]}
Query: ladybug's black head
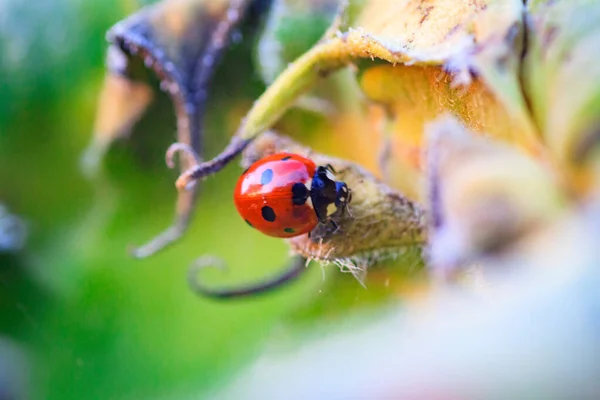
{"type": "Point", "coordinates": [327, 194]}
{"type": "Point", "coordinates": [343, 195]}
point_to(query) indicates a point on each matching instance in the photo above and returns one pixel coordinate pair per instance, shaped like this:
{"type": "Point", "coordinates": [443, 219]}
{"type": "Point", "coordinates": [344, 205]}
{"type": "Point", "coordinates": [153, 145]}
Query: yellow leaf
{"type": "Point", "coordinates": [461, 57]}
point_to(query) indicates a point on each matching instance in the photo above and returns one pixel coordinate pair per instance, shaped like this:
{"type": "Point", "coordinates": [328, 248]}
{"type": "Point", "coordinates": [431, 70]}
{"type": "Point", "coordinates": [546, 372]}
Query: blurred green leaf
{"type": "Point", "coordinates": [97, 323]}
{"type": "Point", "coordinates": [88, 321]}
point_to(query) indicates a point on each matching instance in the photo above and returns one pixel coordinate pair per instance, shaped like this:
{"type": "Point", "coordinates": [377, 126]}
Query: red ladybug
{"type": "Point", "coordinates": [286, 195]}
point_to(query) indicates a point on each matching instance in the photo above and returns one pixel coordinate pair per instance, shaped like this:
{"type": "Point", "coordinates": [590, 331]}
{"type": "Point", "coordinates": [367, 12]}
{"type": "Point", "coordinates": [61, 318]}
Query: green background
{"type": "Point", "coordinates": [86, 319]}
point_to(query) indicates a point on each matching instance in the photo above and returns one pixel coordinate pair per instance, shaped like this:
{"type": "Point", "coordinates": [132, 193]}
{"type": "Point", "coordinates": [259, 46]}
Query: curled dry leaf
{"type": "Point", "coordinates": [181, 41]}
{"type": "Point", "coordinates": [483, 196]}
{"type": "Point", "coordinates": [562, 81]}
{"type": "Point", "coordinates": [381, 222]}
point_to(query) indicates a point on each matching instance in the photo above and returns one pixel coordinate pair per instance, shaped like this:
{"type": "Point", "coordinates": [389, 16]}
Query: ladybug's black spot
{"type": "Point", "coordinates": [288, 230]}
{"type": "Point", "coordinates": [286, 158]}
{"type": "Point", "coordinates": [268, 214]}
{"type": "Point", "coordinates": [266, 177]}
{"type": "Point", "coordinates": [249, 224]}
{"type": "Point", "coordinates": [299, 193]}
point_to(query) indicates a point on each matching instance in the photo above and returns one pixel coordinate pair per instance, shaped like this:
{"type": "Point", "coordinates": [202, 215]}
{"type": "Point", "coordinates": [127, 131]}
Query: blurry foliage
{"type": "Point", "coordinates": [510, 183]}
{"type": "Point", "coordinates": [90, 321]}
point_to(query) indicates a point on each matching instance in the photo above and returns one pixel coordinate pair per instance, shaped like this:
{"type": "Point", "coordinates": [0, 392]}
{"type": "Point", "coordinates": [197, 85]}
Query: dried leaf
{"type": "Point", "coordinates": [181, 41]}
{"type": "Point", "coordinates": [461, 58]}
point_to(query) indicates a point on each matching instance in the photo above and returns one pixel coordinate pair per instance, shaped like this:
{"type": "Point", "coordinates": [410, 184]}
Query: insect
{"type": "Point", "coordinates": [286, 195]}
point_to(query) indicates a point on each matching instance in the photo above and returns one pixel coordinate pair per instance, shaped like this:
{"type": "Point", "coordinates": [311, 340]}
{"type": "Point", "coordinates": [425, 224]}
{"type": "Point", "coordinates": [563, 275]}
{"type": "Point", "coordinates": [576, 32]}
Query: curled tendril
{"type": "Point", "coordinates": [174, 232]}
{"type": "Point", "coordinates": [188, 151]}
{"type": "Point", "coordinates": [184, 148]}
{"type": "Point", "coordinates": [189, 177]}
{"type": "Point", "coordinates": [164, 239]}
{"type": "Point", "coordinates": [296, 266]}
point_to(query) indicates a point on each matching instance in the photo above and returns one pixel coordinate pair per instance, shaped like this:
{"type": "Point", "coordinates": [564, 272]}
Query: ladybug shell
{"type": "Point", "coordinates": [265, 199]}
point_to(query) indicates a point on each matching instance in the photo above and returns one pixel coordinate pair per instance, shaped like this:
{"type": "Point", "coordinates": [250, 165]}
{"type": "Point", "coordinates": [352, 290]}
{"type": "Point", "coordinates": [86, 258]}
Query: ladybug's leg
{"type": "Point", "coordinates": [334, 225]}
{"type": "Point", "coordinates": [296, 267]}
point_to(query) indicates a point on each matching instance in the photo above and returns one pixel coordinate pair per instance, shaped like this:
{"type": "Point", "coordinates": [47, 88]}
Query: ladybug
{"type": "Point", "coordinates": [286, 195]}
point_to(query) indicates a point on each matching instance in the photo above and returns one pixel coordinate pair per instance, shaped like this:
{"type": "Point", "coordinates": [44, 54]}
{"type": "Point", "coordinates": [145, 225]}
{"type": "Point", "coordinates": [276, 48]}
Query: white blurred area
{"type": "Point", "coordinates": [14, 377]}
{"type": "Point", "coordinates": [13, 231]}
{"type": "Point", "coordinates": [534, 335]}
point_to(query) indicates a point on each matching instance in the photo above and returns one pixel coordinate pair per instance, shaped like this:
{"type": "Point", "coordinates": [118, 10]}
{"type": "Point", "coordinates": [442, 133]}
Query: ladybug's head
{"type": "Point", "coordinates": [328, 194]}
{"type": "Point", "coordinates": [343, 195]}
